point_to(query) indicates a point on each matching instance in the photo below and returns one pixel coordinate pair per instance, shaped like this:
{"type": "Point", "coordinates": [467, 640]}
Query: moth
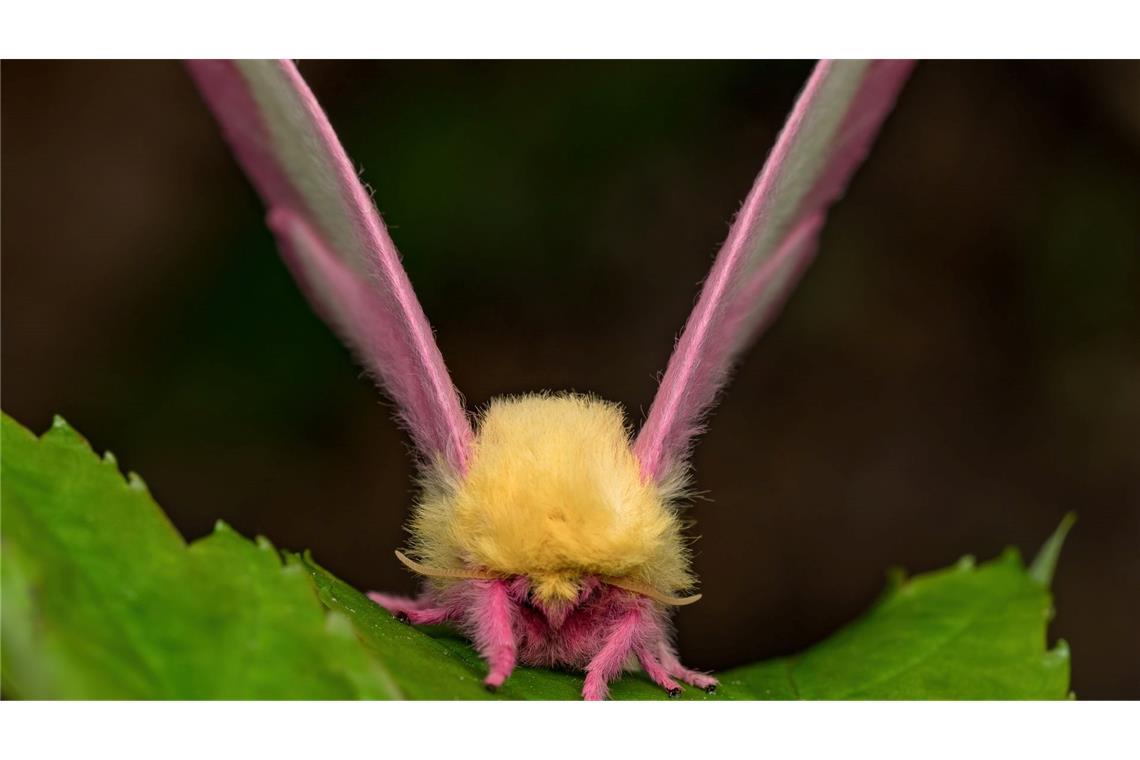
{"type": "Point", "coordinates": [543, 530]}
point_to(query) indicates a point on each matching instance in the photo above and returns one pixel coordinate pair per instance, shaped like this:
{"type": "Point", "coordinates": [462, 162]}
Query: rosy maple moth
{"type": "Point", "coordinates": [543, 529]}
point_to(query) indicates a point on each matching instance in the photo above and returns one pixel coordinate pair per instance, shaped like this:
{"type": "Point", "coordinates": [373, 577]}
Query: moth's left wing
{"type": "Point", "coordinates": [827, 135]}
{"type": "Point", "coordinates": [335, 243]}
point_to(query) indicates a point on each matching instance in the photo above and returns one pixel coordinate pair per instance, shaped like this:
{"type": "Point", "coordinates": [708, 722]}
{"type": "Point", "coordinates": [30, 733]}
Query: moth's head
{"type": "Point", "coordinates": [553, 492]}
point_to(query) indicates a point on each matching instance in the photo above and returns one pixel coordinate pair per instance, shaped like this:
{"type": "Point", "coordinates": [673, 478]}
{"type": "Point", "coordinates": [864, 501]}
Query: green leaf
{"type": "Point", "coordinates": [103, 598]}
{"type": "Point", "coordinates": [962, 633]}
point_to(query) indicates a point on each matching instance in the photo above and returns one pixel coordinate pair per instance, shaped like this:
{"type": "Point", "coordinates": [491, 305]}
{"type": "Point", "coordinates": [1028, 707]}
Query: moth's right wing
{"type": "Point", "coordinates": [335, 242]}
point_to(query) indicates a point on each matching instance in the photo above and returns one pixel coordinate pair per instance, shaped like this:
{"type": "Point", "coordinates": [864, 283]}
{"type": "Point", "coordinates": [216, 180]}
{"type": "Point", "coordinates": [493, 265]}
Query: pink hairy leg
{"type": "Point", "coordinates": [417, 611]}
{"type": "Point", "coordinates": [608, 662]}
{"type": "Point", "coordinates": [655, 670]}
{"type": "Point", "coordinates": [493, 623]}
{"type": "Point", "coordinates": [677, 670]}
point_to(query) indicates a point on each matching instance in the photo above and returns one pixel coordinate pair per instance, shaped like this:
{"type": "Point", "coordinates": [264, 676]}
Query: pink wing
{"type": "Point", "coordinates": [771, 242]}
{"type": "Point", "coordinates": [334, 241]}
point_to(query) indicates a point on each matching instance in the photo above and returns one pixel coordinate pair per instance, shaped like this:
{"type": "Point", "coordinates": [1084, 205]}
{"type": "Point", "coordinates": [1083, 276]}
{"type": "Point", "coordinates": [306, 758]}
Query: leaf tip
{"type": "Point", "coordinates": [308, 561]}
{"type": "Point", "coordinates": [62, 433]}
{"type": "Point", "coordinates": [1011, 555]}
{"type": "Point", "coordinates": [136, 483]}
{"type": "Point", "coordinates": [1044, 565]}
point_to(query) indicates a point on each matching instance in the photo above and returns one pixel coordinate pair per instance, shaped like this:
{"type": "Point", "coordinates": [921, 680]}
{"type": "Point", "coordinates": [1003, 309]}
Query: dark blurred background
{"type": "Point", "coordinates": [959, 368]}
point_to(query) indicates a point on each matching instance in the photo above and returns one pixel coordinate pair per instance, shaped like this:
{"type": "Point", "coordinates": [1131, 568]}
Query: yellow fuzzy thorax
{"type": "Point", "coordinates": [553, 491]}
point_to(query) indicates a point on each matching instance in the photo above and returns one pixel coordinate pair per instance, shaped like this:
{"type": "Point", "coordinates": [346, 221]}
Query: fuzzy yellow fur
{"type": "Point", "coordinates": [553, 492]}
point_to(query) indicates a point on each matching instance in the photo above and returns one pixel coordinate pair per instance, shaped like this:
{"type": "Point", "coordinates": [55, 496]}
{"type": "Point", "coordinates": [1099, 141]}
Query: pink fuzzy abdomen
{"type": "Point", "coordinates": [582, 633]}
{"type": "Point", "coordinates": [569, 636]}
